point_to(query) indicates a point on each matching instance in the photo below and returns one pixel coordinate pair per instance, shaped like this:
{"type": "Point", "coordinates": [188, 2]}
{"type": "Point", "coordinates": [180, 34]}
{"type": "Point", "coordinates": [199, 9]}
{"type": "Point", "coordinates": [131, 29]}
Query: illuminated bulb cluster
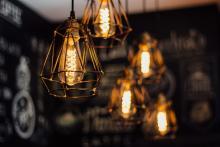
{"type": "Point", "coordinates": [126, 103]}
{"type": "Point", "coordinates": [70, 63]}
{"type": "Point", "coordinates": [162, 122]}
{"type": "Point", "coordinates": [145, 62]}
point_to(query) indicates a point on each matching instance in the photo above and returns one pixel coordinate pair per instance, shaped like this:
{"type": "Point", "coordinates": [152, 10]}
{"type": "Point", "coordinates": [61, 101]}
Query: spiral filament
{"type": "Point", "coordinates": [70, 67]}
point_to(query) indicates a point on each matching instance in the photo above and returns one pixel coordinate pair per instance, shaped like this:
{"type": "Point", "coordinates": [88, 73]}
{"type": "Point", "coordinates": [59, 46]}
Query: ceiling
{"type": "Point", "coordinates": [58, 10]}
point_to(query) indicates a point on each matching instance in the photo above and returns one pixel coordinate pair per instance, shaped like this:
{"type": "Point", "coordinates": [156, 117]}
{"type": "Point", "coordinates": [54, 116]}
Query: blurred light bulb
{"type": "Point", "coordinates": [104, 27]}
{"type": "Point", "coordinates": [70, 67]}
{"type": "Point", "coordinates": [126, 103]}
{"type": "Point", "coordinates": [145, 63]}
{"type": "Point", "coordinates": [162, 122]}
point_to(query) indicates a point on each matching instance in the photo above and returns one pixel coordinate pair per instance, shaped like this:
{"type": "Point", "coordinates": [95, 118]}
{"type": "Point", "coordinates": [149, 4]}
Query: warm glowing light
{"type": "Point", "coordinates": [162, 122]}
{"type": "Point", "coordinates": [70, 67]}
{"type": "Point", "coordinates": [126, 103]}
{"type": "Point", "coordinates": [105, 21]}
{"type": "Point", "coordinates": [145, 62]}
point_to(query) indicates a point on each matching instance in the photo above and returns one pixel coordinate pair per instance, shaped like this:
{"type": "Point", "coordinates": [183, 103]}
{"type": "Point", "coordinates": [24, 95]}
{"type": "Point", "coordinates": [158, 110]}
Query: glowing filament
{"type": "Point", "coordinates": [126, 103]}
{"type": "Point", "coordinates": [145, 62]}
{"type": "Point", "coordinates": [104, 21]}
{"type": "Point", "coordinates": [162, 122]}
{"type": "Point", "coordinates": [70, 67]}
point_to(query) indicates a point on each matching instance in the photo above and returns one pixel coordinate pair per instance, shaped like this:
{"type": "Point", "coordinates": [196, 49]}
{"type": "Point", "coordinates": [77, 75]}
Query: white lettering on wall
{"type": "Point", "coordinates": [9, 47]}
{"type": "Point", "coordinates": [11, 12]}
{"type": "Point", "coordinates": [179, 44]}
{"type": "Point", "coordinates": [3, 76]}
{"type": "Point", "coordinates": [2, 59]}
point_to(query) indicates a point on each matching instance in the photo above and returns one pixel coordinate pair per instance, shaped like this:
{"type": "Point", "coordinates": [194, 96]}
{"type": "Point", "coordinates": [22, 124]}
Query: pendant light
{"type": "Point", "coordinates": [71, 68]}
{"type": "Point", "coordinates": [148, 61]}
{"type": "Point", "coordinates": [124, 102]}
{"type": "Point", "coordinates": [106, 22]}
{"type": "Point", "coordinates": [160, 119]}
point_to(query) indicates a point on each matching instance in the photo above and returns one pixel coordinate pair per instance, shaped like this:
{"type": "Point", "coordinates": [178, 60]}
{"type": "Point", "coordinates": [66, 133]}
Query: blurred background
{"type": "Point", "coordinates": [188, 35]}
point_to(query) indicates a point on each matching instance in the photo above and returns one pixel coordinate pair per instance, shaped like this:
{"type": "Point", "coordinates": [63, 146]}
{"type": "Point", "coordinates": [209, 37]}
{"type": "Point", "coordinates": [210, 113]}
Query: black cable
{"type": "Point", "coordinates": [126, 6]}
{"type": "Point", "coordinates": [157, 19]}
{"type": "Point", "coordinates": [72, 5]}
{"type": "Point", "coordinates": [144, 5]}
{"type": "Point", "coordinates": [72, 13]}
{"type": "Point", "coordinates": [156, 5]}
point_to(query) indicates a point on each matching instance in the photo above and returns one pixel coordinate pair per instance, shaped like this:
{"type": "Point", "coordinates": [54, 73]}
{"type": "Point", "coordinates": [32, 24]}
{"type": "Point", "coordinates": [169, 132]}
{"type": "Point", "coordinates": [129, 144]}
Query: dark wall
{"type": "Point", "coordinates": [23, 37]}
{"type": "Point", "coordinates": [189, 40]}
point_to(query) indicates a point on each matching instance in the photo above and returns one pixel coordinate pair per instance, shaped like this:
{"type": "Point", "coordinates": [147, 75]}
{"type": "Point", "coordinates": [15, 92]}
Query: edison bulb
{"type": "Point", "coordinates": [70, 66]}
{"type": "Point", "coordinates": [127, 106]}
{"type": "Point", "coordinates": [104, 21]}
{"type": "Point", "coordinates": [162, 122]}
{"type": "Point", "coordinates": [126, 103]}
{"type": "Point", "coordinates": [145, 61]}
{"type": "Point", "coordinates": [160, 118]}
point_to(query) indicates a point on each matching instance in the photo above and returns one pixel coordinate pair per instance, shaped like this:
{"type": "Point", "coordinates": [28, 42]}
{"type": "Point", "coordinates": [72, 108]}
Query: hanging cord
{"type": "Point", "coordinates": [72, 12]}
{"type": "Point", "coordinates": [156, 3]}
{"type": "Point", "coordinates": [126, 6]}
{"type": "Point", "coordinates": [157, 15]}
{"type": "Point", "coordinates": [144, 5]}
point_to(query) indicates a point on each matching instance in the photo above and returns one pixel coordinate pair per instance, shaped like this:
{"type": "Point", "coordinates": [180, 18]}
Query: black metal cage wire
{"type": "Point", "coordinates": [89, 64]}
{"type": "Point", "coordinates": [120, 23]}
{"type": "Point", "coordinates": [136, 116]}
{"type": "Point", "coordinates": [158, 65]}
{"type": "Point", "coordinates": [114, 106]}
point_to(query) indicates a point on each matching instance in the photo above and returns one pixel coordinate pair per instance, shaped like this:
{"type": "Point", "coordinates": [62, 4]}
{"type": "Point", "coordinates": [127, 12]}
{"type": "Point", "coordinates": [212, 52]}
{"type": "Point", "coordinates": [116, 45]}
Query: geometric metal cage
{"type": "Point", "coordinates": [160, 119]}
{"type": "Point", "coordinates": [148, 62]}
{"type": "Point", "coordinates": [128, 99]}
{"type": "Point", "coordinates": [71, 68]}
{"type": "Point", "coordinates": [108, 24]}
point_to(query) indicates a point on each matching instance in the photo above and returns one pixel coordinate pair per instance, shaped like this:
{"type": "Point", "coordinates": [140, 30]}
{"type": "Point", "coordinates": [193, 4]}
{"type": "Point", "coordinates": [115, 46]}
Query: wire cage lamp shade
{"type": "Point", "coordinates": [71, 68]}
{"type": "Point", "coordinates": [148, 62]}
{"type": "Point", "coordinates": [108, 23]}
{"type": "Point", "coordinates": [125, 102]}
{"type": "Point", "coordinates": [160, 119]}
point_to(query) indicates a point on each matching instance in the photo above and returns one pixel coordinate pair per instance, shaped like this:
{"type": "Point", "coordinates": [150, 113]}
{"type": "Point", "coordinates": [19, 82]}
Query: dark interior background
{"type": "Point", "coordinates": [189, 40]}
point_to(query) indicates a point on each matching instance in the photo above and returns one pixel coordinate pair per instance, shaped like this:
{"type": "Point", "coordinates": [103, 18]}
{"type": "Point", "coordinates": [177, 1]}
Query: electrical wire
{"type": "Point", "coordinates": [72, 12]}
{"type": "Point", "coordinates": [126, 6]}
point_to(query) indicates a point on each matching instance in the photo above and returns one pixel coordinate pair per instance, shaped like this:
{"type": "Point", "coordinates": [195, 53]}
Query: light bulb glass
{"type": "Point", "coordinates": [70, 67]}
{"type": "Point", "coordinates": [162, 122]}
{"type": "Point", "coordinates": [105, 21]}
{"type": "Point", "coordinates": [126, 104]}
{"type": "Point", "coordinates": [145, 63]}
{"type": "Point", "coordinates": [160, 119]}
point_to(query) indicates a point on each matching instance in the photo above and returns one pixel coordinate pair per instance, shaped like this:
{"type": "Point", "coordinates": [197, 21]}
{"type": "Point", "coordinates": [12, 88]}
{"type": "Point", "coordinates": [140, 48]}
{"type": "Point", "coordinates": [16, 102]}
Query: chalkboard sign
{"type": "Point", "coordinates": [184, 39]}
{"type": "Point", "coordinates": [187, 42]}
{"type": "Point", "coordinates": [21, 103]}
{"type": "Point", "coordinates": [188, 39]}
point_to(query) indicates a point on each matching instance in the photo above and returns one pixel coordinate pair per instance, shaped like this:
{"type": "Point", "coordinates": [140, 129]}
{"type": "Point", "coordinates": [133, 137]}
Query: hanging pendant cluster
{"type": "Point", "coordinates": [72, 69]}
{"type": "Point", "coordinates": [132, 99]}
